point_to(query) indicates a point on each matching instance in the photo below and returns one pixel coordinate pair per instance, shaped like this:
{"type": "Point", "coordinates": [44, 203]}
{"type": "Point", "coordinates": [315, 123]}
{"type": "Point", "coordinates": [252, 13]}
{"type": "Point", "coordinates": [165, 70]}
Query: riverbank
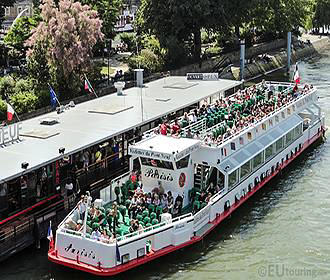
{"type": "Point", "coordinates": [261, 59]}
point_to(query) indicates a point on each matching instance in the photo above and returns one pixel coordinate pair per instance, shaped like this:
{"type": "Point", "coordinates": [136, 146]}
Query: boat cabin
{"type": "Point", "coordinates": [166, 164]}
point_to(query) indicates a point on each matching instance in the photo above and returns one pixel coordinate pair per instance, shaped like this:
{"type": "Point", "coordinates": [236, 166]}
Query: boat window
{"type": "Point", "coordinates": [157, 163]}
{"type": "Point", "coordinates": [183, 163]}
{"type": "Point", "coordinates": [246, 169]}
{"type": "Point", "coordinates": [297, 131]}
{"type": "Point", "coordinates": [277, 119]}
{"type": "Point", "coordinates": [289, 137]}
{"type": "Point", "coordinates": [264, 126]}
{"type": "Point", "coordinates": [241, 140]}
{"type": "Point", "coordinates": [269, 151]}
{"type": "Point", "coordinates": [271, 122]}
{"type": "Point", "coordinates": [232, 179]}
{"type": "Point", "coordinates": [249, 135]}
{"type": "Point", "coordinates": [221, 180]}
{"type": "Point", "coordinates": [279, 145]}
{"type": "Point", "coordinates": [232, 146]}
{"type": "Point", "coordinates": [258, 160]}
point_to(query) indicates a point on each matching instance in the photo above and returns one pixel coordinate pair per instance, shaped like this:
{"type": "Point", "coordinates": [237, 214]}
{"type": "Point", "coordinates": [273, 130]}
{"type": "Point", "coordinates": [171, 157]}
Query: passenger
{"type": "Point", "coordinates": [98, 155]}
{"type": "Point", "coordinates": [82, 207]}
{"type": "Point", "coordinates": [79, 225]}
{"type": "Point", "coordinates": [156, 201]}
{"type": "Point", "coordinates": [189, 134]}
{"type": "Point", "coordinates": [163, 128]}
{"type": "Point", "coordinates": [175, 127]}
{"type": "Point", "coordinates": [96, 234]}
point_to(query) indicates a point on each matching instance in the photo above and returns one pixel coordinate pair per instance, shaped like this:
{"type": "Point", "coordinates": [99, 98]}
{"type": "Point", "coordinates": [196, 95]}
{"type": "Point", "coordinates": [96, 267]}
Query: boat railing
{"type": "Point", "coordinates": [202, 217]}
{"type": "Point", "coordinates": [199, 126]}
{"type": "Point", "coordinates": [153, 227]}
{"type": "Point", "coordinates": [67, 216]}
{"type": "Point", "coordinates": [71, 231]}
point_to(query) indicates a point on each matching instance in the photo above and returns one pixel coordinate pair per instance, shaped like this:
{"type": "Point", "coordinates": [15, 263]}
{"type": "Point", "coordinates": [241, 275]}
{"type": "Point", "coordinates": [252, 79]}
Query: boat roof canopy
{"type": "Point", "coordinates": [165, 148]}
{"type": "Point", "coordinates": [251, 150]}
{"type": "Point", "coordinates": [95, 121]}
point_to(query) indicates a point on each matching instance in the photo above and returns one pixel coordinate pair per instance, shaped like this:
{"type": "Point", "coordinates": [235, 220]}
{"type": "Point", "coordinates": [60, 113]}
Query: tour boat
{"type": "Point", "coordinates": [211, 167]}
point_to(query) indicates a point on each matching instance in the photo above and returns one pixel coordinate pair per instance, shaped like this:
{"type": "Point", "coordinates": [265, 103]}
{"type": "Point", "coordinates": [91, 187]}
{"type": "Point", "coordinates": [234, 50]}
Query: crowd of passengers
{"type": "Point", "coordinates": [133, 208]}
{"type": "Point", "coordinates": [236, 112]}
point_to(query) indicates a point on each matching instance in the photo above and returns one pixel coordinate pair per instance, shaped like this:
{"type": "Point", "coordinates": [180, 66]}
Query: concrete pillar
{"type": "Point", "coordinates": [242, 59]}
{"type": "Point", "coordinates": [289, 39]}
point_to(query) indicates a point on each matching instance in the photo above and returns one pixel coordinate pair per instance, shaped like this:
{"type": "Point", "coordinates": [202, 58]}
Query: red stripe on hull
{"type": "Point", "coordinates": [134, 263]}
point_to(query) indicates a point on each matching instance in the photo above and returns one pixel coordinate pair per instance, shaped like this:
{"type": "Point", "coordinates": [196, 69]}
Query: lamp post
{"type": "Point", "coordinates": [108, 46]}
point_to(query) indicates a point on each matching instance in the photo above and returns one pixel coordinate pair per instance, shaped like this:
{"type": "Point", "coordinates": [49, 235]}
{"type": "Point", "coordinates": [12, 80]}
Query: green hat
{"type": "Point", "coordinates": [96, 225]}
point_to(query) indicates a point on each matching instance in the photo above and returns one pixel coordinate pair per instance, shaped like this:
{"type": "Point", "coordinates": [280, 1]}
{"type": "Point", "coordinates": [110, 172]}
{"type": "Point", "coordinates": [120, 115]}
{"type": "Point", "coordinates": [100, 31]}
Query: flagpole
{"type": "Point", "coordinates": [91, 86]}
{"type": "Point", "coordinates": [55, 95]}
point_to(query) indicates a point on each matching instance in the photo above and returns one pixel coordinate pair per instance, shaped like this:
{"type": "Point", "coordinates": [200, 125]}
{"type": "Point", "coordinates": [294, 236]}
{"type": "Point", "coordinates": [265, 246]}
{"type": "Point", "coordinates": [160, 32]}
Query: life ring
{"type": "Point", "coordinates": [182, 180]}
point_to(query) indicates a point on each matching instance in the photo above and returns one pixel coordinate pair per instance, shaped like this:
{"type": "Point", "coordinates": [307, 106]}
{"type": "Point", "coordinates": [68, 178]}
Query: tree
{"type": "Point", "coordinates": [108, 11]}
{"type": "Point", "coordinates": [175, 23]}
{"type": "Point", "coordinates": [19, 33]}
{"type": "Point", "coordinates": [66, 35]}
{"type": "Point", "coordinates": [322, 13]}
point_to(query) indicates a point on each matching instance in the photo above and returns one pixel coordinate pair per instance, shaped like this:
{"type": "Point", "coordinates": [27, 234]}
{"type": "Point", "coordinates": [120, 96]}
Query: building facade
{"type": "Point", "coordinates": [25, 6]}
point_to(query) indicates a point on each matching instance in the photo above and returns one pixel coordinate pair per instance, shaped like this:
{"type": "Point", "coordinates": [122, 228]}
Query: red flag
{"type": "Point", "coordinates": [296, 76]}
{"type": "Point", "coordinates": [88, 86]}
{"type": "Point", "coordinates": [10, 112]}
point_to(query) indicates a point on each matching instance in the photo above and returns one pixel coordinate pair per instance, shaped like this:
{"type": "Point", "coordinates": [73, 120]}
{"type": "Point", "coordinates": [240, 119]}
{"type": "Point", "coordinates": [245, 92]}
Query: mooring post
{"type": "Point", "coordinates": [242, 59]}
{"type": "Point", "coordinates": [289, 40]}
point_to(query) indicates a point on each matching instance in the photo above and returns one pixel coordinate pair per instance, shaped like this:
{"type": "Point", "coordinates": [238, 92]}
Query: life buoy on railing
{"type": "Point", "coordinates": [227, 205]}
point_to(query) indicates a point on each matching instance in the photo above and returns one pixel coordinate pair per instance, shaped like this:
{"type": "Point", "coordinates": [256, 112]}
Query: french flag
{"type": "Point", "coordinates": [10, 112]}
{"type": "Point", "coordinates": [296, 77]}
{"type": "Point", "coordinates": [50, 236]}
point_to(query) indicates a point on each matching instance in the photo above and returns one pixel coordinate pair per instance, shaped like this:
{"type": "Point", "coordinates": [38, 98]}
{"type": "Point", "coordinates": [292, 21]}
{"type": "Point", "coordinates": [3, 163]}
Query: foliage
{"type": "Point", "coordinates": [212, 51]}
{"type": "Point", "coordinates": [20, 93]}
{"type": "Point", "coordinates": [322, 13]}
{"type": "Point", "coordinates": [129, 39]}
{"type": "Point", "coordinates": [3, 109]}
{"type": "Point", "coordinates": [24, 102]}
{"type": "Point", "coordinates": [147, 60]}
{"type": "Point", "coordinates": [7, 87]}
{"type": "Point", "coordinates": [66, 36]}
{"type": "Point", "coordinates": [178, 22]}
{"type": "Point", "coordinates": [19, 33]}
{"type": "Point", "coordinates": [108, 11]}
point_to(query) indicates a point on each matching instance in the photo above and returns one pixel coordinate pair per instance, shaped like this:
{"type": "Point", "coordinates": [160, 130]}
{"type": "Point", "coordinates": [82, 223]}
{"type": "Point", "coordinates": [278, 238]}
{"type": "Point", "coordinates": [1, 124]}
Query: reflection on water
{"type": "Point", "coordinates": [282, 233]}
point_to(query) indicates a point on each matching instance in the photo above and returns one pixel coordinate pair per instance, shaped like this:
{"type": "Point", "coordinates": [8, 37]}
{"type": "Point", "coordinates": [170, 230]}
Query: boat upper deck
{"type": "Point", "coordinates": [218, 123]}
{"type": "Point", "coordinates": [97, 120]}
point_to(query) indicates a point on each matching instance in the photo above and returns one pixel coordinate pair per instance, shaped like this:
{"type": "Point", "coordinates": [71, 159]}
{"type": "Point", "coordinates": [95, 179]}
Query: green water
{"type": "Point", "coordinates": [281, 233]}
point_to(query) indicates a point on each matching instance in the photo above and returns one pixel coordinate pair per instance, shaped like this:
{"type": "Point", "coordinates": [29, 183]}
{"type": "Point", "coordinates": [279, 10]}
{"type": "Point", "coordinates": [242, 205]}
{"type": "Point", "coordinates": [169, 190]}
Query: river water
{"type": "Point", "coordinates": [281, 233]}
